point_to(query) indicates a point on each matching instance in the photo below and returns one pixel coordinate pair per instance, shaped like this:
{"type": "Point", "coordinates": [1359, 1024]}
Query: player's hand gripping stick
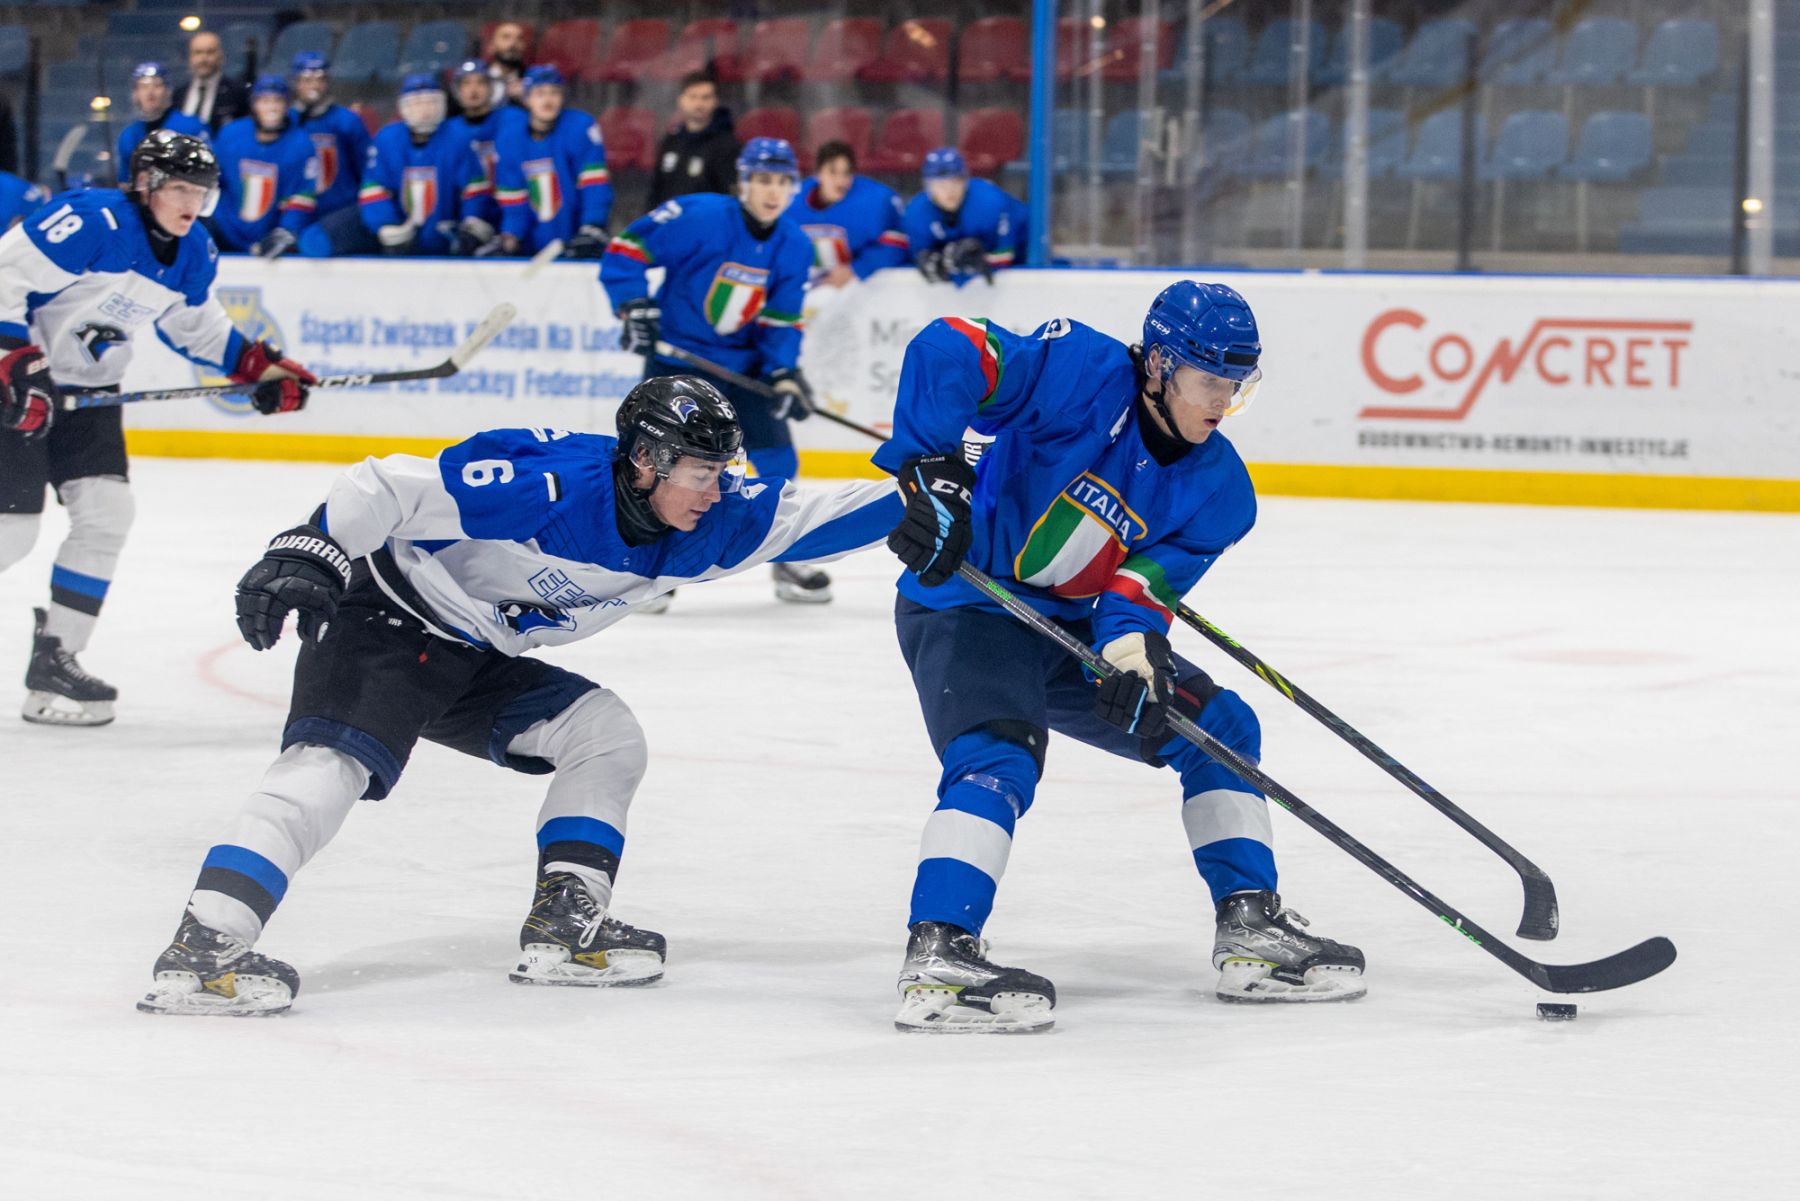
{"type": "Point", "coordinates": [642, 321]}
{"type": "Point", "coordinates": [281, 383]}
{"type": "Point", "coordinates": [796, 395]}
{"type": "Point", "coordinates": [934, 535]}
{"type": "Point", "coordinates": [1137, 696]}
{"type": "Point", "coordinates": [302, 570]}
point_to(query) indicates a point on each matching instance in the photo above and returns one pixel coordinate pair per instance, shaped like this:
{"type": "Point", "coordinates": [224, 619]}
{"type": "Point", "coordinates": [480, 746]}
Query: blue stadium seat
{"type": "Point", "coordinates": [15, 50]}
{"type": "Point", "coordinates": [164, 24]}
{"type": "Point", "coordinates": [1385, 44]}
{"type": "Point", "coordinates": [1519, 53]}
{"type": "Point", "coordinates": [1269, 62]}
{"type": "Point", "coordinates": [1436, 57]}
{"type": "Point", "coordinates": [1597, 53]}
{"type": "Point", "coordinates": [1697, 170]}
{"type": "Point", "coordinates": [1613, 148]}
{"type": "Point", "coordinates": [434, 46]}
{"type": "Point", "coordinates": [1119, 143]}
{"type": "Point", "coordinates": [1531, 144]}
{"type": "Point", "coordinates": [1227, 50]}
{"type": "Point", "coordinates": [1680, 221]}
{"type": "Point", "coordinates": [1437, 148]}
{"type": "Point", "coordinates": [1270, 156]}
{"type": "Point", "coordinates": [1680, 53]}
{"type": "Point", "coordinates": [1228, 139]}
{"type": "Point", "coordinates": [245, 42]}
{"type": "Point", "coordinates": [1068, 140]}
{"type": "Point", "coordinates": [318, 37]}
{"type": "Point", "coordinates": [1387, 144]}
{"type": "Point", "coordinates": [368, 53]}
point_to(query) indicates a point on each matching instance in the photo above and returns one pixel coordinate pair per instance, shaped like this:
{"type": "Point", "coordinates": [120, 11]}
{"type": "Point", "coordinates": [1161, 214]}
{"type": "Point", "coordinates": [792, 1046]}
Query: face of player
{"type": "Point", "coordinates": [151, 96]}
{"type": "Point", "coordinates": [835, 179]}
{"type": "Point", "coordinates": [696, 104]}
{"type": "Point", "coordinates": [176, 206]}
{"type": "Point", "coordinates": [475, 93]}
{"type": "Point", "coordinates": [766, 195]}
{"type": "Point", "coordinates": [544, 103]}
{"type": "Point", "coordinates": [270, 110]}
{"type": "Point", "coordinates": [947, 193]}
{"type": "Point", "coordinates": [1196, 399]}
{"type": "Point", "coordinates": [692, 487]}
{"type": "Point", "coordinates": [310, 88]}
{"type": "Point", "coordinates": [423, 112]}
{"type": "Point", "coordinates": [206, 55]}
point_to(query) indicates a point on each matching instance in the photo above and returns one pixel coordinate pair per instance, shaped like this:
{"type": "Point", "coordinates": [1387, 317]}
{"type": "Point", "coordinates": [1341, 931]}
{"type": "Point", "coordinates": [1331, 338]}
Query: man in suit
{"type": "Point", "coordinates": [208, 95]}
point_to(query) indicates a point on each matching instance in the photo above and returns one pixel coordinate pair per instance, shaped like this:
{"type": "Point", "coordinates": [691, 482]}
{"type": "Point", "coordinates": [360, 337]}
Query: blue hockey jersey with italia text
{"type": "Point", "coordinates": [988, 213]}
{"type": "Point", "coordinates": [481, 135]}
{"type": "Point", "coordinates": [862, 231]}
{"type": "Point", "coordinates": [340, 143]}
{"type": "Point", "coordinates": [433, 186]}
{"type": "Point", "coordinates": [728, 295]}
{"type": "Point", "coordinates": [1069, 503]}
{"type": "Point", "coordinates": [262, 184]}
{"type": "Point", "coordinates": [550, 186]}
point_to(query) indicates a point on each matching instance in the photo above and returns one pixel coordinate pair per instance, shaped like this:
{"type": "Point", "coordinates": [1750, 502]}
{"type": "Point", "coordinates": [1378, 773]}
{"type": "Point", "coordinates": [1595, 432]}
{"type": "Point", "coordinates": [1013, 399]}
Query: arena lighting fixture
{"type": "Point", "coordinates": [1097, 22]}
{"type": "Point", "coordinates": [1753, 205]}
{"type": "Point", "coordinates": [190, 23]}
{"type": "Point", "coordinates": [100, 103]}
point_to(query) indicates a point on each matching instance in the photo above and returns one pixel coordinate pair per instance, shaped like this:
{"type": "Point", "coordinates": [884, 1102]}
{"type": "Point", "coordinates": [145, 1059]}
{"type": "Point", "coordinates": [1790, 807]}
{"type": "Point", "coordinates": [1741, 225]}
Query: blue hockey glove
{"type": "Point", "coordinates": [796, 395]}
{"type": "Point", "coordinates": [1136, 696]}
{"type": "Point", "coordinates": [934, 536]}
{"type": "Point", "coordinates": [302, 569]}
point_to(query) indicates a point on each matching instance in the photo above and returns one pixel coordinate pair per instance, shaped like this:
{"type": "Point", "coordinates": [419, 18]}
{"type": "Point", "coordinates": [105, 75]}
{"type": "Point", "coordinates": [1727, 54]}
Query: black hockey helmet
{"type": "Point", "coordinates": [170, 156]}
{"type": "Point", "coordinates": [670, 417]}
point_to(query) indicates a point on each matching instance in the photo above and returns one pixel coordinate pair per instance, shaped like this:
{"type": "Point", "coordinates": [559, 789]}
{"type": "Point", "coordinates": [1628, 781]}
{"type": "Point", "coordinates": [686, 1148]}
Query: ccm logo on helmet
{"type": "Point", "coordinates": [1558, 352]}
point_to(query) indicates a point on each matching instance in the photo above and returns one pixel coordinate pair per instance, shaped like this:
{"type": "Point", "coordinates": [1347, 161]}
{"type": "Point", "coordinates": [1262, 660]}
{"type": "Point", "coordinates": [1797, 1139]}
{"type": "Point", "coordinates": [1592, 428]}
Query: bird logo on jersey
{"type": "Point", "coordinates": [736, 297]}
{"type": "Point", "coordinates": [545, 188]}
{"type": "Point", "coordinates": [257, 181]}
{"type": "Point", "coordinates": [419, 191]}
{"type": "Point", "coordinates": [97, 339]}
{"type": "Point", "coordinates": [325, 153]}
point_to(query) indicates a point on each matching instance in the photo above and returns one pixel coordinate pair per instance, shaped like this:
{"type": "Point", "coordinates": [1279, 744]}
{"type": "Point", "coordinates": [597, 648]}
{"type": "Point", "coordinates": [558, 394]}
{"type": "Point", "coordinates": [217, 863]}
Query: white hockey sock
{"type": "Point", "coordinates": [18, 533]}
{"type": "Point", "coordinates": [100, 514]}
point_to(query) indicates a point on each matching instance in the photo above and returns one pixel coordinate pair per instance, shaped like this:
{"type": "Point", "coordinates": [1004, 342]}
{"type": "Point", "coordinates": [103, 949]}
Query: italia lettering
{"type": "Point", "coordinates": [1097, 499]}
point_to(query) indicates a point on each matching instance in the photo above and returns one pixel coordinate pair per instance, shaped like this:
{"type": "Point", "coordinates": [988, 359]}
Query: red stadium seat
{"type": "Point", "coordinates": [906, 136]}
{"type": "Point", "coordinates": [372, 118]}
{"type": "Point", "coordinates": [993, 48]}
{"type": "Point", "coordinates": [989, 138]}
{"type": "Point", "coordinates": [777, 49]}
{"type": "Point", "coordinates": [777, 121]}
{"type": "Point", "coordinates": [854, 124]}
{"type": "Point", "coordinates": [1124, 48]}
{"type": "Point", "coordinates": [1074, 50]}
{"type": "Point", "coordinates": [569, 46]}
{"type": "Point", "coordinates": [531, 40]}
{"type": "Point", "coordinates": [917, 51]}
{"type": "Point", "coordinates": [634, 47]}
{"type": "Point", "coordinates": [844, 48]}
{"type": "Point", "coordinates": [712, 41]}
{"type": "Point", "coordinates": [630, 136]}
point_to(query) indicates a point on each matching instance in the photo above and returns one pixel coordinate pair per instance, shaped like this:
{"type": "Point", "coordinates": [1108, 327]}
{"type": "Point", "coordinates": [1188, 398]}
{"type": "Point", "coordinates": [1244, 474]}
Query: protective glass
{"type": "Point", "coordinates": [423, 110]}
{"type": "Point", "coordinates": [700, 474]}
{"type": "Point", "coordinates": [181, 187]}
{"type": "Point", "coordinates": [1245, 393]}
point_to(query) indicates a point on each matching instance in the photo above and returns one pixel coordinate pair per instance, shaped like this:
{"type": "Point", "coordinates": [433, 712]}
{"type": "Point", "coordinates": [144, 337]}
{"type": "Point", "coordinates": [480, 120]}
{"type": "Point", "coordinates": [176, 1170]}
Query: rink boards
{"type": "Point", "coordinates": [1617, 391]}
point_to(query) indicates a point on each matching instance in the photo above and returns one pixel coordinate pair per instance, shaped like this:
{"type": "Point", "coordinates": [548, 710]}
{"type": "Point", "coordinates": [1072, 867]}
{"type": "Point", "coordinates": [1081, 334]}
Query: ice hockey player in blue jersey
{"type": "Point", "coordinates": [422, 191]}
{"type": "Point", "coordinates": [77, 277]}
{"type": "Point", "coordinates": [854, 221]}
{"type": "Point", "coordinates": [1106, 493]}
{"type": "Point", "coordinates": [420, 585]}
{"type": "Point", "coordinates": [734, 281]}
{"type": "Point", "coordinates": [340, 140]}
{"type": "Point", "coordinates": [959, 228]}
{"type": "Point", "coordinates": [266, 176]}
{"type": "Point", "coordinates": [478, 123]}
{"type": "Point", "coordinates": [551, 180]}
{"type": "Point", "coordinates": [18, 197]}
{"type": "Point", "coordinates": [152, 97]}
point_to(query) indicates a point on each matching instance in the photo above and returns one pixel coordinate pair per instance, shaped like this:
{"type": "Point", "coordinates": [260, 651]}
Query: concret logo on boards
{"type": "Point", "coordinates": [1556, 352]}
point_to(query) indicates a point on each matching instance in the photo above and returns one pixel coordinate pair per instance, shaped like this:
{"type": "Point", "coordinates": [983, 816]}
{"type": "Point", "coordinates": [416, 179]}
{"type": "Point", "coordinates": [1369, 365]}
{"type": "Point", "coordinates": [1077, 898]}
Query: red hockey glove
{"type": "Point", "coordinates": [28, 395]}
{"type": "Point", "coordinates": [280, 382]}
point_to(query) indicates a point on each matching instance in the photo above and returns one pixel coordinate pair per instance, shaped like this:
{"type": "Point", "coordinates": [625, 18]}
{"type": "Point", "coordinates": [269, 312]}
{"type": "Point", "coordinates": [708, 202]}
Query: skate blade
{"type": "Point", "coordinates": [180, 994]}
{"type": "Point", "coordinates": [622, 969]}
{"type": "Point", "coordinates": [795, 595]}
{"type": "Point", "coordinates": [1249, 982]}
{"type": "Point", "coordinates": [52, 709]}
{"type": "Point", "coordinates": [924, 1009]}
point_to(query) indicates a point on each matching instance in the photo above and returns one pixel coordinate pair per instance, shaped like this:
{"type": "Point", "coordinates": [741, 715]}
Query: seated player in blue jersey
{"type": "Point", "coordinates": [734, 278]}
{"type": "Point", "coordinates": [420, 585]}
{"type": "Point", "coordinates": [18, 197]}
{"type": "Point", "coordinates": [478, 123]}
{"type": "Point", "coordinates": [340, 140]}
{"type": "Point", "coordinates": [77, 277]}
{"type": "Point", "coordinates": [423, 192]}
{"type": "Point", "coordinates": [266, 176]}
{"type": "Point", "coordinates": [959, 228]}
{"type": "Point", "coordinates": [152, 98]}
{"type": "Point", "coordinates": [1106, 493]}
{"type": "Point", "coordinates": [550, 174]}
{"type": "Point", "coordinates": [854, 221]}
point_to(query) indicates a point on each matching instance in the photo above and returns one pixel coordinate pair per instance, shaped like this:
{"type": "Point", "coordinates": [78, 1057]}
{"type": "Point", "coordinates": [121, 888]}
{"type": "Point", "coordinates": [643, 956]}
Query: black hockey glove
{"type": "Point", "coordinates": [589, 242]}
{"type": "Point", "coordinates": [303, 569]}
{"type": "Point", "coordinates": [1137, 695]}
{"type": "Point", "coordinates": [931, 266]}
{"type": "Point", "coordinates": [934, 536]}
{"type": "Point", "coordinates": [277, 243]}
{"type": "Point", "coordinates": [643, 326]}
{"type": "Point", "coordinates": [796, 395]}
{"type": "Point", "coordinates": [968, 257]}
{"type": "Point", "coordinates": [467, 237]}
{"type": "Point", "coordinates": [28, 396]}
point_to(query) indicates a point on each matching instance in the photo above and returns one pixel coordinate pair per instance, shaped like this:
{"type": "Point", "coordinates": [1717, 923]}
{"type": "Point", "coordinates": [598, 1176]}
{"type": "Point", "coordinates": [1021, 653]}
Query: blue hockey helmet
{"type": "Point", "coordinates": [946, 162]}
{"type": "Point", "coordinates": [1209, 327]}
{"type": "Point", "coordinates": [149, 70]}
{"type": "Point", "coordinates": [770, 155]}
{"type": "Point", "coordinates": [269, 85]}
{"type": "Point", "coordinates": [468, 67]}
{"type": "Point", "coordinates": [420, 81]}
{"type": "Point", "coordinates": [309, 60]}
{"type": "Point", "coordinates": [543, 75]}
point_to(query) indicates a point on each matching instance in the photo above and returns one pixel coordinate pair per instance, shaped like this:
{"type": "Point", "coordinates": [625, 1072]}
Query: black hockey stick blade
{"type": "Point", "coordinates": [669, 351]}
{"type": "Point", "coordinates": [1615, 971]}
{"type": "Point", "coordinates": [486, 331]}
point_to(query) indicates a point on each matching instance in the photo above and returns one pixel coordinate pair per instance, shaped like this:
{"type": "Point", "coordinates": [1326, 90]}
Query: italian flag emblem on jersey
{"type": "Point", "coordinates": [419, 192]}
{"type": "Point", "coordinates": [544, 188]}
{"type": "Point", "coordinates": [1076, 547]}
{"type": "Point", "coordinates": [325, 150]}
{"type": "Point", "coordinates": [258, 180]}
{"type": "Point", "coordinates": [987, 349]}
{"type": "Point", "coordinates": [831, 246]}
{"type": "Point", "coordinates": [736, 297]}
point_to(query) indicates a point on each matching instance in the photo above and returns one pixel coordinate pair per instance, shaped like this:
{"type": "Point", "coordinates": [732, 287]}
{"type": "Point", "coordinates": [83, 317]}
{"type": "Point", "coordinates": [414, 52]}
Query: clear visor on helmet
{"type": "Point", "coordinates": [681, 468]}
{"type": "Point", "coordinates": [1244, 392]}
{"type": "Point", "coordinates": [423, 112]}
{"type": "Point", "coordinates": [209, 197]}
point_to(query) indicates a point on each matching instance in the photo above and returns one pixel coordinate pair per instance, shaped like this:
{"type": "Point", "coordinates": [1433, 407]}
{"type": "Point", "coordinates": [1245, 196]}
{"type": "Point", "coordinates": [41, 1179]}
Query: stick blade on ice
{"type": "Point", "coordinates": [1615, 971]}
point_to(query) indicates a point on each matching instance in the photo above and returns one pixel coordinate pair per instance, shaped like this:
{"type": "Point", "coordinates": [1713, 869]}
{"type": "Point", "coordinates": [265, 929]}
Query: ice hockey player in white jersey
{"type": "Point", "coordinates": [77, 277]}
{"type": "Point", "coordinates": [419, 585]}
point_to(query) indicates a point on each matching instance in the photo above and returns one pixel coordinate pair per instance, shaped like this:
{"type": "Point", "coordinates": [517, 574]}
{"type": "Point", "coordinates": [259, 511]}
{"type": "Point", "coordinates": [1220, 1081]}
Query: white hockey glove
{"type": "Point", "coordinates": [1137, 696]}
{"type": "Point", "coordinates": [397, 239]}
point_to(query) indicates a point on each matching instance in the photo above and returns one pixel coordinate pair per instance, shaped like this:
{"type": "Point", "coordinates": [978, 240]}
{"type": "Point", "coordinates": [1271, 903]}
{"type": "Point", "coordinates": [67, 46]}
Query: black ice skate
{"type": "Point", "coordinates": [1263, 954]}
{"type": "Point", "coordinates": [800, 584]}
{"type": "Point", "coordinates": [58, 691]}
{"type": "Point", "coordinates": [947, 985]}
{"type": "Point", "coordinates": [208, 973]}
{"type": "Point", "coordinates": [567, 939]}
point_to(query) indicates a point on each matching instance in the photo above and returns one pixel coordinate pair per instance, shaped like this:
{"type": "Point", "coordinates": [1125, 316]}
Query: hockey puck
{"type": "Point", "coordinates": [1550, 1012]}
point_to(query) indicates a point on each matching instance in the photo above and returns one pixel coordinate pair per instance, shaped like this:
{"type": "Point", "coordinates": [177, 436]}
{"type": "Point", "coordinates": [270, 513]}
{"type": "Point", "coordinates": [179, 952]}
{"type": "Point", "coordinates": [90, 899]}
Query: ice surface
{"type": "Point", "coordinates": [1615, 692]}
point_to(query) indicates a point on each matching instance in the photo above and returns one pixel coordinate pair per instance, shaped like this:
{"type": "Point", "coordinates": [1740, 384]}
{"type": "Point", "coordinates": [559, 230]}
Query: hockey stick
{"type": "Point", "coordinates": [65, 154]}
{"type": "Point", "coordinates": [667, 351]}
{"type": "Point", "coordinates": [547, 255]}
{"type": "Point", "coordinates": [490, 327]}
{"type": "Point", "coordinates": [1615, 971]}
{"type": "Point", "coordinates": [1539, 921]}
